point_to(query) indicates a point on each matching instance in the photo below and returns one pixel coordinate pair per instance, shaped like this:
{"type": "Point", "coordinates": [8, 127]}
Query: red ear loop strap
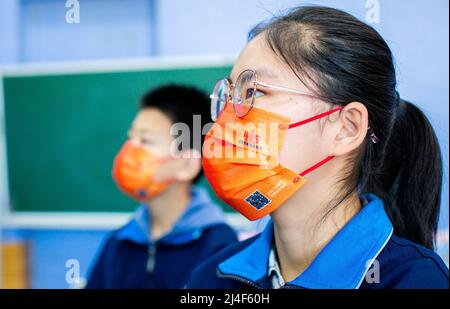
{"type": "Point", "coordinates": [312, 168]}
{"type": "Point", "coordinates": [293, 125]}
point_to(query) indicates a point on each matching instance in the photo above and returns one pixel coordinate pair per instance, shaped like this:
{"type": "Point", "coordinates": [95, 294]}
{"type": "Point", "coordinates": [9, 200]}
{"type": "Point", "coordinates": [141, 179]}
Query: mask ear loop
{"type": "Point", "coordinates": [293, 125]}
{"type": "Point", "coordinates": [331, 111]}
{"type": "Point", "coordinates": [315, 166]}
{"type": "Point", "coordinates": [372, 136]}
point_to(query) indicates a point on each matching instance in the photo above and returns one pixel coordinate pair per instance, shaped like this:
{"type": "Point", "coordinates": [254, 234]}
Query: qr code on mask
{"type": "Point", "coordinates": [257, 200]}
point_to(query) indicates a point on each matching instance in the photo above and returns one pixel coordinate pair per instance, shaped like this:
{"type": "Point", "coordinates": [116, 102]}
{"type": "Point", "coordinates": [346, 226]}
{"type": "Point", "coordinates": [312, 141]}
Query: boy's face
{"type": "Point", "coordinates": [151, 129]}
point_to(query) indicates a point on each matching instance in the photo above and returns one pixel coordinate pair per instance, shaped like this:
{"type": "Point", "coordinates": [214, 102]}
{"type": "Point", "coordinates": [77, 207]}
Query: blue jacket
{"type": "Point", "coordinates": [363, 254]}
{"type": "Point", "coordinates": [130, 259]}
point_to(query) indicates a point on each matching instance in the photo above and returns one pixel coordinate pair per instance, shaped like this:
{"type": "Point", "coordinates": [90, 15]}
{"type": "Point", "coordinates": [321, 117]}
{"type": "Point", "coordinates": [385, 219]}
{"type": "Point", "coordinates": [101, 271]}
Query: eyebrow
{"type": "Point", "coordinates": [260, 72]}
{"type": "Point", "coordinates": [142, 131]}
{"type": "Point", "coordinates": [266, 73]}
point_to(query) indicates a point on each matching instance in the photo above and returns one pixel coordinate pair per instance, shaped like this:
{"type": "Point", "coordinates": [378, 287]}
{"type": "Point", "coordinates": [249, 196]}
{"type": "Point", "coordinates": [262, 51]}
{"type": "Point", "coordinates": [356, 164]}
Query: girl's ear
{"type": "Point", "coordinates": [189, 165]}
{"type": "Point", "coordinates": [348, 132]}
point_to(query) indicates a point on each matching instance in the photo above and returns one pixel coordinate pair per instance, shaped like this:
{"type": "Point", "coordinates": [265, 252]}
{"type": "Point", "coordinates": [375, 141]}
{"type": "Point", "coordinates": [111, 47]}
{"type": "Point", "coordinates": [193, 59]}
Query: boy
{"type": "Point", "coordinates": [178, 225]}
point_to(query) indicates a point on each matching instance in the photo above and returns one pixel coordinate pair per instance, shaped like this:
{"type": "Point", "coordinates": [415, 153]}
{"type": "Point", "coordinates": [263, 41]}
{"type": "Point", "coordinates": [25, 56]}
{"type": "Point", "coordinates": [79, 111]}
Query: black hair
{"type": "Point", "coordinates": [345, 60]}
{"type": "Point", "coordinates": [180, 103]}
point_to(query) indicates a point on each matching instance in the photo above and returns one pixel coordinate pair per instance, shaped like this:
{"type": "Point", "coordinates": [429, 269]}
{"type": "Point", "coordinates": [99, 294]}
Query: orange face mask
{"type": "Point", "coordinates": [240, 160]}
{"type": "Point", "coordinates": [134, 170]}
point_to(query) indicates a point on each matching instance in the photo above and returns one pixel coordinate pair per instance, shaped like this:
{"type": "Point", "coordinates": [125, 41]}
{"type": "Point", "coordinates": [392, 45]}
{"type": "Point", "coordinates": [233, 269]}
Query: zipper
{"type": "Point", "coordinates": [251, 283]}
{"type": "Point", "coordinates": [238, 278]}
{"type": "Point", "coordinates": [151, 257]}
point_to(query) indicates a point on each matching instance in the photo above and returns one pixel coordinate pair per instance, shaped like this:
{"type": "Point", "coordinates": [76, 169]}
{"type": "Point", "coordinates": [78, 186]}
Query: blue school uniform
{"type": "Point", "coordinates": [130, 259]}
{"type": "Point", "coordinates": [363, 254]}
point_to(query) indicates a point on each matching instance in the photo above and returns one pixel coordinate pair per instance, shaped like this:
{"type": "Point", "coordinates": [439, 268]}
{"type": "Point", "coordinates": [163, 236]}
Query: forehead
{"type": "Point", "coordinates": [258, 56]}
{"type": "Point", "coordinates": [153, 120]}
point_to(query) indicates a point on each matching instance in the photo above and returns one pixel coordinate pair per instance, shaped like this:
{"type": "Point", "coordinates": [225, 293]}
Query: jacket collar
{"type": "Point", "coordinates": [342, 263]}
{"type": "Point", "coordinates": [200, 214]}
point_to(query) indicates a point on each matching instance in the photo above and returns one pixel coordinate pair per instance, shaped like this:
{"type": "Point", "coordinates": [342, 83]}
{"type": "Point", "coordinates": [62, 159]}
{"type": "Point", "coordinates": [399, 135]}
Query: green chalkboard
{"type": "Point", "coordinates": [63, 131]}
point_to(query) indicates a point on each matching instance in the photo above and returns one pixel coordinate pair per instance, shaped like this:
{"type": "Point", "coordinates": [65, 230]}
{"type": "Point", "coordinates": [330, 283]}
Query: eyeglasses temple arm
{"type": "Point", "coordinates": [284, 89]}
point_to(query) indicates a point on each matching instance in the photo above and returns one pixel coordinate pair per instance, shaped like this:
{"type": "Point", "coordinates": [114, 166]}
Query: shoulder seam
{"type": "Point", "coordinates": [413, 245]}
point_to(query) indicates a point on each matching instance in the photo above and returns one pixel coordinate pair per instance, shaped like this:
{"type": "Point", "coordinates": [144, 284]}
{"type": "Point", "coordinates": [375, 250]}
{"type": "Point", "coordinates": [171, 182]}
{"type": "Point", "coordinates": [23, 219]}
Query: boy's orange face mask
{"type": "Point", "coordinates": [240, 160]}
{"type": "Point", "coordinates": [134, 170]}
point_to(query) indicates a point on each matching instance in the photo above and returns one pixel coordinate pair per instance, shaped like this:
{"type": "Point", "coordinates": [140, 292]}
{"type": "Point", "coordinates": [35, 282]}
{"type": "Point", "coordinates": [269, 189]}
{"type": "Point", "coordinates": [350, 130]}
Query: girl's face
{"type": "Point", "coordinates": [305, 145]}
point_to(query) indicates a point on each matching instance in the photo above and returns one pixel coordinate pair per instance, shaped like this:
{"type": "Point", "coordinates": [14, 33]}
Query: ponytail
{"type": "Point", "coordinates": [411, 176]}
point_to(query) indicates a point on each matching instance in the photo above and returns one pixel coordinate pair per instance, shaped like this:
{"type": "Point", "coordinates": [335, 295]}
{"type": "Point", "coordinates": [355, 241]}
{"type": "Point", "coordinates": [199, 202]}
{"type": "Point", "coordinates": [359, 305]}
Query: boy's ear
{"type": "Point", "coordinates": [189, 166]}
{"type": "Point", "coordinates": [348, 132]}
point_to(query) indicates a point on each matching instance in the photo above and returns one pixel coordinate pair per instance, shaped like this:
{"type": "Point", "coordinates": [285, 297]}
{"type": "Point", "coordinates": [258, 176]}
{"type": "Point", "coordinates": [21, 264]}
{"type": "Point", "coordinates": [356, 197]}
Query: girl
{"type": "Point", "coordinates": [352, 179]}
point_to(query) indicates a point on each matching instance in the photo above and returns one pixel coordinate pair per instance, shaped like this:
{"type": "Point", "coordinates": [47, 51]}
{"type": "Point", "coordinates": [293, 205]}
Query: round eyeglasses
{"type": "Point", "coordinates": [242, 94]}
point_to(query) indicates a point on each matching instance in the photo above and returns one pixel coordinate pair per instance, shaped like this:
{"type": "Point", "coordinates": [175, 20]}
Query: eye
{"type": "Point", "coordinates": [146, 141]}
{"type": "Point", "coordinates": [259, 94]}
{"type": "Point", "coordinates": [252, 92]}
{"type": "Point", "coordinates": [248, 93]}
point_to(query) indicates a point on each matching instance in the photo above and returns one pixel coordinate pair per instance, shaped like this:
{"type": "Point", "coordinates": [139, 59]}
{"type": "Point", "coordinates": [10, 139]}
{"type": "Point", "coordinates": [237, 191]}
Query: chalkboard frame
{"type": "Point", "coordinates": [86, 68]}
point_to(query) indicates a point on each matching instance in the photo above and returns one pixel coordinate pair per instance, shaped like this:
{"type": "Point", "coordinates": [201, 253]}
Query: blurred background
{"type": "Point", "coordinates": [72, 72]}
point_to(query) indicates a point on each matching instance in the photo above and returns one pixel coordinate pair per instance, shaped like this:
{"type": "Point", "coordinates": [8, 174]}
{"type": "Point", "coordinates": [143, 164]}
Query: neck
{"type": "Point", "coordinates": [167, 207]}
{"type": "Point", "coordinates": [302, 226]}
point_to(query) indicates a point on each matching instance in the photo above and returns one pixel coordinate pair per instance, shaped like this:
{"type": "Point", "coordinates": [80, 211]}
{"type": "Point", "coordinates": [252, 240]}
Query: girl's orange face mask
{"type": "Point", "coordinates": [240, 160]}
{"type": "Point", "coordinates": [134, 170]}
